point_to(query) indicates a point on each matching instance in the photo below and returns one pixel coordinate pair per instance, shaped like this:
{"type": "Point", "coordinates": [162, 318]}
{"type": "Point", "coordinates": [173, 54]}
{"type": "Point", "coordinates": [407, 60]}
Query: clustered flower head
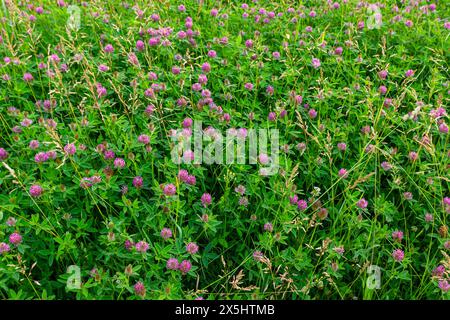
{"type": "Point", "coordinates": [15, 238]}
{"type": "Point", "coordinates": [206, 199]}
{"type": "Point", "coordinates": [362, 203]}
{"type": "Point", "coordinates": [166, 233]}
{"type": "Point", "coordinates": [142, 246]}
{"type": "Point", "coordinates": [4, 248]}
{"type": "Point", "coordinates": [36, 190]}
{"type": "Point", "coordinates": [397, 235]}
{"type": "Point", "coordinates": [192, 248]}
{"type": "Point", "coordinates": [315, 63]}
{"type": "Point", "coordinates": [70, 149]}
{"type": "Point", "coordinates": [169, 189]}
{"type": "Point", "coordinates": [139, 289]}
{"type": "Point", "coordinates": [138, 182]}
{"type": "Point", "coordinates": [185, 266]}
{"type": "Point", "coordinates": [398, 255]}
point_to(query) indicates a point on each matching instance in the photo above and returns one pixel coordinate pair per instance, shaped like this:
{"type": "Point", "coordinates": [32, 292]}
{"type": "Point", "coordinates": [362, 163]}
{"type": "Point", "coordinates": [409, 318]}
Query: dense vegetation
{"type": "Point", "coordinates": [93, 98]}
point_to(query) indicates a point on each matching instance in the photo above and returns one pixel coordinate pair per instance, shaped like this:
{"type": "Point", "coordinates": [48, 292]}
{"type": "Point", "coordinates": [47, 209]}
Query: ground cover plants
{"type": "Point", "coordinates": [100, 199]}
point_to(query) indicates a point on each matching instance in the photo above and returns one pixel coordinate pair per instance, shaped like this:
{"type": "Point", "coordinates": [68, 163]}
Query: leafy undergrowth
{"type": "Point", "coordinates": [93, 99]}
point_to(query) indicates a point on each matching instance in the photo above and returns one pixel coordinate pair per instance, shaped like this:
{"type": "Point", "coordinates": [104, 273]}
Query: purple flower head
{"type": "Point", "coordinates": [413, 156]}
{"type": "Point", "coordinates": [398, 255]}
{"type": "Point", "coordinates": [176, 70]}
{"type": "Point", "coordinates": [212, 54]}
{"type": "Point", "coordinates": [143, 138]}
{"type": "Point", "coordinates": [397, 235]}
{"type": "Point", "coordinates": [103, 68]}
{"type": "Point", "coordinates": [70, 149]}
{"type": "Point", "coordinates": [119, 163]}
{"type": "Point", "coordinates": [343, 173]}
{"type": "Point", "coordinates": [439, 271]}
{"type": "Point", "coordinates": [153, 41]}
{"type": "Point", "coordinates": [166, 233]}
{"type": "Point", "coordinates": [263, 158]}
{"type": "Point", "coordinates": [188, 155]}
{"type": "Point", "coordinates": [34, 144]}
{"type": "Point", "coordinates": [315, 63]}
{"type": "Point", "coordinates": [3, 154]}
{"type": "Point", "coordinates": [26, 122]}
{"type": "Point", "coordinates": [51, 154]}
{"type": "Point", "coordinates": [302, 205]}
{"type": "Point", "coordinates": [243, 201]}
{"type": "Point", "coordinates": [138, 182]}
{"type": "Point", "coordinates": [407, 195]}
{"type": "Point", "coordinates": [11, 222]}
{"type": "Point", "coordinates": [444, 285]}
{"type": "Point", "coordinates": [128, 245]}
{"type": "Point", "coordinates": [258, 255]}
{"type": "Point", "coordinates": [187, 123]}
{"type": "Point", "coordinates": [4, 248]}
{"type": "Point", "coordinates": [101, 91]}
{"type": "Point", "coordinates": [140, 45]}
{"type": "Point", "coordinates": [387, 102]}
{"type": "Point", "coordinates": [185, 266]}
{"type": "Point", "coordinates": [272, 116]}
{"type": "Point", "coordinates": [109, 48]}
{"type": "Point", "coordinates": [141, 246]}
{"type": "Point", "coordinates": [268, 227]}
{"type": "Point", "coordinates": [36, 190]}
{"type": "Point", "coordinates": [41, 157]}
{"type": "Point", "coordinates": [109, 154]}
{"type": "Point", "coordinates": [383, 74]}
{"type": "Point", "coordinates": [312, 113]}
{"type": "Point", "coordinates": [169, 189]}
{"type": "Point", "coordinates": [139, 289]}
{"type": "Point", "coordinates": [293, 200]}
{"type": "Point", "coordinates": [443, 128]}
{"type": "Point", "coordinates": [446, 201]}
{"type": "Point", "coordinates": [342, 146]}
{"type": "Point", "coordinates": [192, 248]}
{"type": "Point", "coordinates": [172, 264]}
{"type": "Point", "coordinates": [15, 238]}
{"type": "Point", "coordinates": [248, 86]}
{"type": "Point", "coordinates": [206, 199]}
{"type": "Point", "coordinates": [183, 175]}
{"type": "Point", "coordinates": [386, 166]}
{"type": "Point", "coordinates": [409, 73]}
{"type": "Point", "coordinates": [447, 244]}
{"type": "Point", "coordinates": [206, 67]}
{"type": "Point", "coordinates": [242, 133]}
{"type": "Point", "coordinates": [362, 203]}
{"type": "Point", "coordinates": [196, 86]}
{"type": "Point", "coordinates": [240, 189]}
{"type": "Point", "coordinates": [149, 110]}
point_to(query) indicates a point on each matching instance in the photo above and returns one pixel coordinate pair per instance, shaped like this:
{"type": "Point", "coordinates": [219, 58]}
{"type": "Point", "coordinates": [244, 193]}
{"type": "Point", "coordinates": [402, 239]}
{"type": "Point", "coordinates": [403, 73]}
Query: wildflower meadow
{"type": "Point", "coordinates": [201, 149]}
